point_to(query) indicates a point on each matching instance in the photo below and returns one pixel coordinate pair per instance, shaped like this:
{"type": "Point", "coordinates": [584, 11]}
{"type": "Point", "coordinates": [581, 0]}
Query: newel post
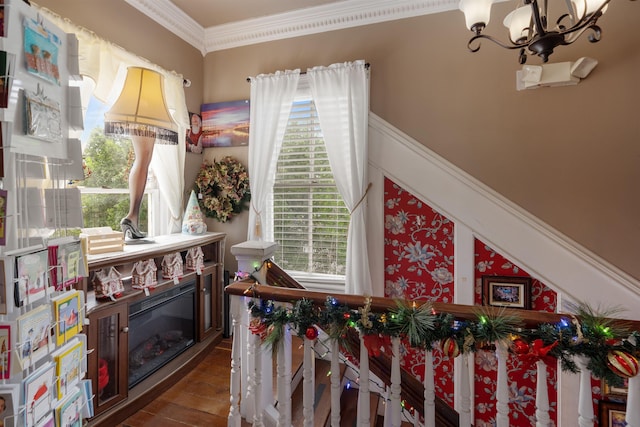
{"type": "Point", "coordinates": [251, 256]}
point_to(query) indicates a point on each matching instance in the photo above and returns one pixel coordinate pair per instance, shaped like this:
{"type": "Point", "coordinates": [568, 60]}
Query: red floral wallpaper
{"type": "Point", "coordinates": [522, 376]}
{"type": "Point", "coordinates": [419, 264]}
{"type": "Point", "coordinates": [418, 252]}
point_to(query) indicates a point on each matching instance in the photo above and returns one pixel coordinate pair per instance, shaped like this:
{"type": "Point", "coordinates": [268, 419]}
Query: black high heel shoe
{"type": "Point", "coordinates": [130, 230]}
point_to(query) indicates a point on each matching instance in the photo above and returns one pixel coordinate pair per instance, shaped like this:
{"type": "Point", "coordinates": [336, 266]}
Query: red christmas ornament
{"type": "Point", "coordinates": [622, 363]}
{"type": "Point", "coordinates": [450, 348]}
{"type": "Point", "coordinates": [520, 346]}
{"type": "Point", "coordinates": [346, 316]}
{"type": "Point", "coordinates": [311, 333]}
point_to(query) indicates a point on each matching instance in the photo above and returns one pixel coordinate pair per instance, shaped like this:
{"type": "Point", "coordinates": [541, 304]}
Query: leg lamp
{"type": "Point", "coordinates": [140, 113]}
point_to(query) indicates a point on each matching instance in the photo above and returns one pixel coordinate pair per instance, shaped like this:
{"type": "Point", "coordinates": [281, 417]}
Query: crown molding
{"type": "Point", "coordinates": [329, 17]}
{"type": "Point", "coordinates": [170, 16]}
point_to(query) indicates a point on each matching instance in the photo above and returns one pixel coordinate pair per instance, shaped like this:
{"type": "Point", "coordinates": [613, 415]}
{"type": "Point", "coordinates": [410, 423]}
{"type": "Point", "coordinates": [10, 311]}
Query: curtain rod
{"type": "Point", "coordinates": [366, 66]}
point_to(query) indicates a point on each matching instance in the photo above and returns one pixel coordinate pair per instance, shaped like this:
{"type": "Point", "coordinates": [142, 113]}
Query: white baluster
{"type": "Point", "coordinates": [633, 402]}
{"type": "Point", "coordinates": [363, 393]}
{"type": "Point", "coordinates": [283, 369]}
{"type": "Point", "coordinates": [633, 398]}
{"type": "Point", "coordinates": [234, 382]}
{"type": "Point", "coordinates": [336, 390]}
{"type": "Point", "coordinates": [502, 393]}
{"type": "Point", "coordinates": [542, 396]}
{"type": "Point", "coordinates": [465, 391]}
{"type": "Point", "coordinates": [308, 382]}
{"type": "Point", "coordinates": [585, 402]}
{"type": "Point", "coordinates": [429, 389]}
{"type": "Point", "coordinates": [388, 408]}
{"type": "Point", "coordinates": [257, 381]}
{"type": "Point", "coordinates": [396, 386]}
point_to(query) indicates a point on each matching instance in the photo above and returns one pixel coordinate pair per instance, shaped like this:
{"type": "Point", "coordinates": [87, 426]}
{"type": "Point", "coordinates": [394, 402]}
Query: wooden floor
{"type": "Point", "coordinates": [201, 398]}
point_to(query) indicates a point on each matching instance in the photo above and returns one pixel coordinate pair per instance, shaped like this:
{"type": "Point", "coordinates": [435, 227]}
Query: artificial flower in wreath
{"type": "Point", "coordinates": [223, 187]}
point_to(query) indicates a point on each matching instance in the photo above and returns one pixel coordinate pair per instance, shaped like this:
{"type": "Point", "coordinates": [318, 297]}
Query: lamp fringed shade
{"type": "Point", "coordinates": [141, 109]}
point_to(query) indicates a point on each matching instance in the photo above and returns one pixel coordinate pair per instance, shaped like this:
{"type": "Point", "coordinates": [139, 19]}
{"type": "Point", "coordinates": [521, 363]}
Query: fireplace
{"type": "Point", "coordinates": [160, 328]}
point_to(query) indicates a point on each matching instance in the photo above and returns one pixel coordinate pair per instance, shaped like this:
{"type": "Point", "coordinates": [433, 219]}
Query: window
{"type": "Point", "coordinates": [105, 193]}
{"type": "Point", "coordinates": [310, 220]}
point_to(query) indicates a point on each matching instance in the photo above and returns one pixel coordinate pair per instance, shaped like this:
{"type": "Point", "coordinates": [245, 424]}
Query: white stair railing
{"type": "Point", "coordinates": [254, 370]}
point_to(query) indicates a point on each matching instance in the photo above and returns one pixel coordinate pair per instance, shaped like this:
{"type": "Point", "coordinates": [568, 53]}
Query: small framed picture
{"type": "Point", "coordinates": [506, 291]}
{"type": "Point", "coordinates": [612, 414]}
{"type": "Point", "coordinates": [615, 393]}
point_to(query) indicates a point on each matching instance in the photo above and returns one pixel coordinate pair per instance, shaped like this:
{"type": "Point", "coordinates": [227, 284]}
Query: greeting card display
{"type": "Point", "coordinates": [48, 421]}
{"type": "Point", "coordinates": [38, 394]}
{"type": "Point", "coordinates": [10, 394]}
{"type": "Point", "coordinates": [43, 116]}
{"type": "Point", "coordinates": [5, 352]}
{"type": "Point", "coordinates": [69, 372]}
{"type": "Point", "coordinates": [3, 202]}
{"type": "Point", "coordinates": [33, 335]}
{"type": "Point", "coordinates": [7, 64]}
{"type": "Point", "coordinates": [67, 310]}
{"type": "Point", "coordinates": [31, 277]}
{"type": "Point", "coordinates": [67, 258]}
{"type": "Point", "coordinates": [69, 411]}
{"type": "Point", "coordinates": [41, 51]}
{"type": "Point", "coordinates": [87, 399]}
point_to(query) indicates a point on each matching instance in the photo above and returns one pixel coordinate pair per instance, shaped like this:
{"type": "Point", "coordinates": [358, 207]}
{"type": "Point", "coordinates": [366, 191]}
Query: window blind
{"type": "Point", "coordinates": [310, 221]}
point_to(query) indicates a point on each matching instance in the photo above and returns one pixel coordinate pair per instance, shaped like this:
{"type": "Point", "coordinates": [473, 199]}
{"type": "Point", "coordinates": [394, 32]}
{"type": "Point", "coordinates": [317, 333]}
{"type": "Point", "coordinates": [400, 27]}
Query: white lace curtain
{"type": "Point", "coordinates": [105, 64]}
{"type": "Point", "coordinates": [341, 95]}
{"type": "Point", "coordinates": [272, 97]}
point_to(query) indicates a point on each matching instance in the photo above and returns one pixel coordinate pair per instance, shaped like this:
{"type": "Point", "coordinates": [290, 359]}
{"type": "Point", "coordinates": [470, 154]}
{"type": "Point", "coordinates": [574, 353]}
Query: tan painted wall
{"type": "Point", "coordinates": [568, 155]}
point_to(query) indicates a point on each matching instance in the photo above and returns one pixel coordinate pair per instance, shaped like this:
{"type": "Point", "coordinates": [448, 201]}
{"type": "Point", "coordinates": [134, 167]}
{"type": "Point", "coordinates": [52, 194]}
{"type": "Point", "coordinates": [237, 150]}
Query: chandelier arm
{"type": "Point", "coordinates": [594, 37]}
{"type": "Point", "coordinates": [539, 25]}
{"type": "Point", "coordinates": [496, 41]}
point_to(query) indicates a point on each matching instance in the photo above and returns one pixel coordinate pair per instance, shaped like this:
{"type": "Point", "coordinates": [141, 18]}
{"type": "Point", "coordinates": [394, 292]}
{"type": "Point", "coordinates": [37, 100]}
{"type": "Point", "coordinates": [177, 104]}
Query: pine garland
{"type": "Point", "coordinates": [593, 336]}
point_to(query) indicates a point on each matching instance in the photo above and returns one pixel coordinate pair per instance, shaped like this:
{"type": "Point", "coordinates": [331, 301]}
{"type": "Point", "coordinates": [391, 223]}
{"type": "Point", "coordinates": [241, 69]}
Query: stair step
{"type": "Point", "coordinates": [322, 404]}
{"type": "Point", "coordinates": [349, 408]}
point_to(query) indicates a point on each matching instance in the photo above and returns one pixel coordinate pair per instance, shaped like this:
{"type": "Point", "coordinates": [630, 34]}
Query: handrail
{"type": "Point", "coordinates": [530, 319]}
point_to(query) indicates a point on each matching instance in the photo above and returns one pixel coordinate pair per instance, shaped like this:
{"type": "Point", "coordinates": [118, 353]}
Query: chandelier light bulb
{"type": "Point", "coordinates": [518, 22]}
{"type": "Point", "coordinates": [477, 13]}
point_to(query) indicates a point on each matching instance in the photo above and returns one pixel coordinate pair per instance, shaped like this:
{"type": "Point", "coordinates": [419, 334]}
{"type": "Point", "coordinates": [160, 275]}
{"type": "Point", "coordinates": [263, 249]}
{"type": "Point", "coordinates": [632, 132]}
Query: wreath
{"type": "Point", "coordinates": [223, 188]}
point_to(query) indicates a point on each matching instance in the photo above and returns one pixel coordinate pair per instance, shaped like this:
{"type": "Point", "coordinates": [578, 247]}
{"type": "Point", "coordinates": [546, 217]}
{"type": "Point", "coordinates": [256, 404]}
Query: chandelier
{"type": "Point", "coordinates": [530, 28]}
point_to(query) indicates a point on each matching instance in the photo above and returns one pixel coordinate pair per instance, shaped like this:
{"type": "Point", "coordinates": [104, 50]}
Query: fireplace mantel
{"type": "Point", "coordinates": [108, 321]}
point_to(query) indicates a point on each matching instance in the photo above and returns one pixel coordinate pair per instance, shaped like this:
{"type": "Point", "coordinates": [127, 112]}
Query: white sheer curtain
{"type": "Point", "coordinates": [106, 63]}
{"type": "Point", "coordinates": [271, 101]}
{"type": "Point", "coordinates": [341, 95]}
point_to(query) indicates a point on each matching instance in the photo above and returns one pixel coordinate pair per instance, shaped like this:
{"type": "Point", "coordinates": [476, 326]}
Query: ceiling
{"type": "Point", "coordinates": [211, 25]}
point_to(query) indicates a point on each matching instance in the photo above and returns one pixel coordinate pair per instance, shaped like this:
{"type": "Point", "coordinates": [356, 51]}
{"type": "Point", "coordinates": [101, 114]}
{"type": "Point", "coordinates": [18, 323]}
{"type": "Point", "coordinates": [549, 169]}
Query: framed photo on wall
{"type": "Point", "coordinates": [225, 124]}
{"type": "Point", "coordinates": [612, 414]}
{"type": "Point", "coordinates": [506, 291]}
{"type": "Point", "coordinates": [615, 393]}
